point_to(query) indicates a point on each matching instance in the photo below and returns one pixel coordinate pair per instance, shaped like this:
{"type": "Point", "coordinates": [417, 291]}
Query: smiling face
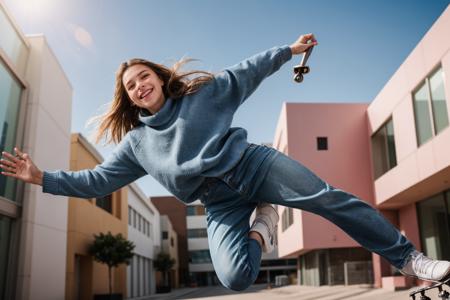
{"type": "Point", "coordinates": [144, 87]}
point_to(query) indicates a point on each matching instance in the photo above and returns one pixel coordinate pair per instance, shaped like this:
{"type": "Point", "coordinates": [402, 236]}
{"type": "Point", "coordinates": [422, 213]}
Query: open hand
{"type": "Point", "coordinates": [20, 167]}
{"type": "Point", "coordinates": [302, 44]}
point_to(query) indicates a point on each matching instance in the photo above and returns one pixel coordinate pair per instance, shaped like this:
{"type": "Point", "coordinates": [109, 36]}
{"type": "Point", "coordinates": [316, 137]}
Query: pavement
{"type": "Point", "coordinates": [298, 292]}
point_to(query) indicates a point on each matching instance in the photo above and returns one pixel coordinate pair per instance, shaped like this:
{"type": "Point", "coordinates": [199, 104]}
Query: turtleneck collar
{"type": "Point", "coordinates": [161, 117]}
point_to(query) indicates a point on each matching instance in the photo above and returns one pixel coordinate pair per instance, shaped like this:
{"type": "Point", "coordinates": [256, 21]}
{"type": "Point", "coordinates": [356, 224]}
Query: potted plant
{"type": "Point", "coordinates": [111, 250]}
{"type": "Point", "coordinates": [164, 263]}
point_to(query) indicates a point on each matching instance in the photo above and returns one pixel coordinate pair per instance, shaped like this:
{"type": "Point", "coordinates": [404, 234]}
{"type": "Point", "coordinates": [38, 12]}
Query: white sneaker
{"type": "Point", "coordinates": [265, 224]}
{"type": "Point", "coordinates": [425, 268]}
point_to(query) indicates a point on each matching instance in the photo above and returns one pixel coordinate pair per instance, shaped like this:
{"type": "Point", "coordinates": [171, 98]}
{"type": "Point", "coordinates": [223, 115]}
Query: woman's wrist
{"type": "Point", "coordinates": [292, 49]}
{"type": "Point", "coordinates": [39, 178]}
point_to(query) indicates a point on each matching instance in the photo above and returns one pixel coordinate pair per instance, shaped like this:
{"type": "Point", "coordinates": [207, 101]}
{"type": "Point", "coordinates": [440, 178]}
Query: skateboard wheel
{"type": "Point", "coordinates": [298, 78]}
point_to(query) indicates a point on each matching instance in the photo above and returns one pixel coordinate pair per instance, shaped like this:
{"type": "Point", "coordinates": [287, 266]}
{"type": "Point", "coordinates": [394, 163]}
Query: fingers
{"type": "Point", "coordinates": [11, 157]}
{"type": "Point", "coordinates": [19, 153]}
{"type": "Point", "coordinates": [10, 175]}
{"type": "Point", "coordinates": [7, 163]}
{"type": "Point", "coordinates": [5, 167]}
{"type": "Point", "coordinates": [309, 37]}
{"type": "Point", "coordinates": [8, 166]}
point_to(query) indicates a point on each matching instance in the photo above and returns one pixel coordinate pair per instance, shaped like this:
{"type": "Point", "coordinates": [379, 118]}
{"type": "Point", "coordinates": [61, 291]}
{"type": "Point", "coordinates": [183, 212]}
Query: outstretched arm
{"type": "Point", "coordinates": [238, 82]}
{"type": "Point", "coordinates": [120, 169]}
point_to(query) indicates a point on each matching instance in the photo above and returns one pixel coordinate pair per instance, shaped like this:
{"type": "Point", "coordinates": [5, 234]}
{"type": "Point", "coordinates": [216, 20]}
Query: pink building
{"type": "Point", "coordinates": [393, 153]}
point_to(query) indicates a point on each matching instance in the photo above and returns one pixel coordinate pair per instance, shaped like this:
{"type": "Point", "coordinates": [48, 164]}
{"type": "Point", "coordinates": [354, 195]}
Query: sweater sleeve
{"type": "Point", "coordinates": [238, 82]}
{"type": "Point", "coordinates": [118, 170]}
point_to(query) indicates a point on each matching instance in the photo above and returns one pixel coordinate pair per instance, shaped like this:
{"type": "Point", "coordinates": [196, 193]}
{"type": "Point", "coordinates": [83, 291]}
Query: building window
{"type": "Point", "coordinates": [10, 94]}
{"type": "Point", "coordinates": [322, 143]}
{"type": "Point", "coordinates": [12, 44]}
{"type": "Point", "coordinates": [145, 227]}
{"type": "Point", "coordinates": [384, 156]}
{"type": "Point", "coordinates": [430, 108]}
{"type": "Point", "coordinates": [199, 257]}
{"type": "Point", "coordinates": [129, 215]}
{"type": "Point", "coordinates": [197, 233]}
{"type": "Point", "coordinates": [105, 203]}
{"type": "Point", "coordinates": [171, 242]}
{"type": "Point", "coordinates": [287, 218]}
{"type": "Point", "coordinates": [195, 210]}
{"type": "Point", "coordinates": [5, 238]}
{"type": "Point", "coordinates": [165, 235]}
{"type": "Point", "coordinates": [434, 219]}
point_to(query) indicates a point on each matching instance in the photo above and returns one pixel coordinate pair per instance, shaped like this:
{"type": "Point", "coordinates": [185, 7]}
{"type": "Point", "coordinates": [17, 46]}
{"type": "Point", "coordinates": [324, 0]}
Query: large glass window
{"type": "Point", "coordinates": [383, 149]}
{"type": "Point", "coordinates": [438, 101]}
{"type": "Point", "coordinates": [12, 44]}
{"type": "Point", "coordinates": [105, 203]}
{"type": "Point", "coordinates": [430, 108]}
{"type": "Point", "coordinates": [197, 233]}
{"type": "Point", "coordinates": [422, 114]}
{"type": "Point", "coordinates": [434, 219]}
{"type": "Point", "coordinates": [5, 232]}
{"type": "Point", "coordinates": [195, 210]}
{"type": "Point", "coordinates": [287, 218]}
{"type": "Point", "coordinates": [10, 93]}
{"type": "Point", "coordinates": [199, 257]}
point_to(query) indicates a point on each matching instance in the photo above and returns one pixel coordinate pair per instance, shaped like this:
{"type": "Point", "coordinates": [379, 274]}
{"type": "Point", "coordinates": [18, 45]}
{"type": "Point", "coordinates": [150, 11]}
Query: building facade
{"type": "Point", "coordinates": [332, 141]}
{"type": "Point", "coordinates": [86, 277]}
{"type": "Point", "coordinates": [175, 210]}
{"type": "Point", "coordinates": [35, 115]}
{"type": "Point", "coordinates": [169, 245]}
{"type": "Point", "coordinates": [392, 153]}
{"type": "Point", "coordinates": [201, 270]}
{"type": "Point", "coordinates": [411, 170]}
{"type": "Point", "coordinates": [144, 230]}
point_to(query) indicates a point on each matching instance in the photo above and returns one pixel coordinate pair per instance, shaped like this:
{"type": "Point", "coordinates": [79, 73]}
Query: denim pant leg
{"type": "Point", "coordinates": [288, 183]}
{"type": "Point", "coordinates": [235, 257]}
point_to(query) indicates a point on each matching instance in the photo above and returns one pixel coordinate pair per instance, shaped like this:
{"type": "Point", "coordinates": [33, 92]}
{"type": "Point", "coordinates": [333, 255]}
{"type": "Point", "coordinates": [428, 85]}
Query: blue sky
{"type": "Point", "coordinates": [361, 45]}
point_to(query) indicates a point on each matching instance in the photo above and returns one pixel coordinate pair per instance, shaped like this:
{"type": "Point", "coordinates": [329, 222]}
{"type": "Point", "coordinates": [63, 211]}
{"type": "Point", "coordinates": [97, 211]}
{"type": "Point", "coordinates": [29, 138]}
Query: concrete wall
{"type": "Point", "coordinates": [42, 262]}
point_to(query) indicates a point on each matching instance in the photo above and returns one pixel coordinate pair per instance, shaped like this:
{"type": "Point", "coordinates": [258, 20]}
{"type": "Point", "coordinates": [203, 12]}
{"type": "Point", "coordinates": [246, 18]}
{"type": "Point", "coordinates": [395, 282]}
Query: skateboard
{"type": "Point", "coordinates": [443, 294]}
{"type": "Point", "coordinates": [301, 69]}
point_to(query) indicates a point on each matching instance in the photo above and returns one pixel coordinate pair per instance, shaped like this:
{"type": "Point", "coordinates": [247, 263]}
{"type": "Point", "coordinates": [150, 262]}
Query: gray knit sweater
{"type": "Point", "coordinates": [189, 139]}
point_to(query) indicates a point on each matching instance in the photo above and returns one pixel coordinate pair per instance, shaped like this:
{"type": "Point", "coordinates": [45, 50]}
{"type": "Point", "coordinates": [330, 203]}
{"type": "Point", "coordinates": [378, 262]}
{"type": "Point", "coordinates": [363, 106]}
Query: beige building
{"type": "Point", "coordinates": [84, 276]}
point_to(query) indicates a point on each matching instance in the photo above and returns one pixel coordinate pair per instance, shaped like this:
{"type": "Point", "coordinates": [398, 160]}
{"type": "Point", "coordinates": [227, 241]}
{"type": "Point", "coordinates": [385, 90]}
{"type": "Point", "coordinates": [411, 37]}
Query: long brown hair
{"type": "Point", "coordinates": [122, 116]}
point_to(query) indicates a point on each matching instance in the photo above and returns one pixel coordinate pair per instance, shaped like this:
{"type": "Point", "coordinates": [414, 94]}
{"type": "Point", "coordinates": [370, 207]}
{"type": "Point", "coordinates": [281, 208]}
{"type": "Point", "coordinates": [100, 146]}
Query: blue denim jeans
{"type": "Point", "coordinates": [265, 175]}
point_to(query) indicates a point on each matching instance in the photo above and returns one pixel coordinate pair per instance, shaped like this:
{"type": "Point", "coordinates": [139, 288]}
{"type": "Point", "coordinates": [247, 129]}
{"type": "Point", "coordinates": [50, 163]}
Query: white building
{"type": "Point", "coordinates": [35, 114]}
{"type": "Point", "coordinates": [144, 231]}
{"type": "Point", "coordinates": [201, 270]}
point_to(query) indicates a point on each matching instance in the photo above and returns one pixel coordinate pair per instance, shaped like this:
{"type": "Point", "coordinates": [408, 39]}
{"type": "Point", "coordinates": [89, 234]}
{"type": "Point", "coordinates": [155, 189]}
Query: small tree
{"type": "Point", "coordinates": [164, 263]}
{"type": "Point", "coordinates": [111, 250]}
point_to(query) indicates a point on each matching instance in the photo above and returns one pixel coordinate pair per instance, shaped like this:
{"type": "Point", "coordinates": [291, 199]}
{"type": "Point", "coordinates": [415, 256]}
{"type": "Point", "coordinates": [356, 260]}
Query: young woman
{"type": "Point", "coordinates": [177, 129]}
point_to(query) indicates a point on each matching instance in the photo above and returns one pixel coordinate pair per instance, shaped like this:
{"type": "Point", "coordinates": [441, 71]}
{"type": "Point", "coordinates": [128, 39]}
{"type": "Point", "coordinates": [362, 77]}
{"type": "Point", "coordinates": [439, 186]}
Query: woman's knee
{"type": "Point", "coordinates": [237, 280]}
